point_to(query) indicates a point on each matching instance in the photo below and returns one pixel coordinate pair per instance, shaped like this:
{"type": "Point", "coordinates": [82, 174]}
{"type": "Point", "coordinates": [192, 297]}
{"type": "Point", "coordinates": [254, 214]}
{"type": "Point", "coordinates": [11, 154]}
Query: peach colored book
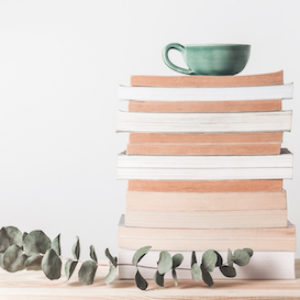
{"type": "Point", "coordinates": [205, 106]}
{"type": "Point", "coordinates": [205, 186]}
{"type": "Point", "coordinates": [192, 202]}
{"type": "Point", "coordinates": [202, 149]}
{"type": "Point", "coordinates": [208, 81]}
{"type": "Point", "coordinates": [246, 137]}
{"type": "Point", "coordinates": [207, 219]}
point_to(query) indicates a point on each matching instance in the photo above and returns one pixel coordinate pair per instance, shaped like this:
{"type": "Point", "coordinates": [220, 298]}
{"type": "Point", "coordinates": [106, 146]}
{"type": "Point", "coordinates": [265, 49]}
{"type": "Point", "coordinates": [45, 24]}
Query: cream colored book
{"type": "Point", "coordinates": [190, 202]}
{"type": "Point", "coordinates": [204, 122]}
{"type": "Point", "coordinates": [180, 239]}
{"type": "Point", "coordinates": [207, 219]}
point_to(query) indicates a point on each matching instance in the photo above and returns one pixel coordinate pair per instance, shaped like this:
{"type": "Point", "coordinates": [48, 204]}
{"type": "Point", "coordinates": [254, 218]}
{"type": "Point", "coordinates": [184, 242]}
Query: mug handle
{"type": "Point", "coordinates": [165, 55]}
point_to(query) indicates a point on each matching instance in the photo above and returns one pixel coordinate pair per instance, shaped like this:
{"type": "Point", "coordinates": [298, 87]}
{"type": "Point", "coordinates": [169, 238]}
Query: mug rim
{"type": "Point", "coordinates": [218, 45]}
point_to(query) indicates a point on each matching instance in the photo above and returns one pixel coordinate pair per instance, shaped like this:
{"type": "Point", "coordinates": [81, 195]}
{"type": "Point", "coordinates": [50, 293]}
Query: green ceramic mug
{"type": "Point", "coordinates": [210, 59]}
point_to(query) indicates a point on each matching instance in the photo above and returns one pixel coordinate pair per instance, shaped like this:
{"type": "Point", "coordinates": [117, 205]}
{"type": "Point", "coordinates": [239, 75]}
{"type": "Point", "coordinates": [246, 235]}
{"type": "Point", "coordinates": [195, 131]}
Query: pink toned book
{"type": "Point", "coordinates": [205, 186]}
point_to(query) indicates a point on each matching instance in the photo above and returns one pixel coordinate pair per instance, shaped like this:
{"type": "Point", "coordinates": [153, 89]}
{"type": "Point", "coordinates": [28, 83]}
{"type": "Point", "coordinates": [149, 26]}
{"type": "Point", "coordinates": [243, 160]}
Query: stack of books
{"type": "Point", "coordinates": [205, 168]}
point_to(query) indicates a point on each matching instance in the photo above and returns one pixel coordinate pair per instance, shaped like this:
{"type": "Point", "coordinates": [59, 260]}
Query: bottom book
{"type": "Point", "coordinates": [263, 265]}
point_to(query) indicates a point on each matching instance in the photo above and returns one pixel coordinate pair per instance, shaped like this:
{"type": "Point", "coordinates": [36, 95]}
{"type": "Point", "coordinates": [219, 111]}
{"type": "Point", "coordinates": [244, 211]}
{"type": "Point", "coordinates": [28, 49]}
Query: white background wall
{"type": "Point", "coordinates": [60, 63]}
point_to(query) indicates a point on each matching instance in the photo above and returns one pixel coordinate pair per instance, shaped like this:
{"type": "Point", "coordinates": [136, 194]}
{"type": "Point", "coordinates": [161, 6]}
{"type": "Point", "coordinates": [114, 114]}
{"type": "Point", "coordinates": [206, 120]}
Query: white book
{"type": "Point", "coordinates": [204, 122]}
{"type": "Point", "coordinates": [153, 167]}
{"type": "Point", "coordinates": [282, 160]}
{"type": "Point", "coordinates": [204, 174]}
{"type": "Point", "coordinates": [284, 91]}
{"type": "Point", "coordinates": [263, 265]}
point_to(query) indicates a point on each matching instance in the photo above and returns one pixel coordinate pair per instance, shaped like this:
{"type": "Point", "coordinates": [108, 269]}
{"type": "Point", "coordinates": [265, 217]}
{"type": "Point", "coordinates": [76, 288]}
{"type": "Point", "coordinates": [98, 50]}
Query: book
{"type": "Point", "coordinates": [205, 186]}
{"type": "Point", "coordinates": [178, 167]}
{"type": "Point", "coordinates": [221, 239]}
{"type": "Point", "coordinates": [207, 219]}
{"type": "Point", "coordinates": [202, 149]}
{"type": "Point", "coordinates": [263, 265]}
{"type": "Point", "coordinates": [207, 81]}
{"type": "Point", "coordinates": [210, 138]}
{"type": "Point", "coordinates": [282, 160]}
{"type": "Point", "coordinates": [204, 122]}
{"type": "Point", "coordinates": [282, 91]}
{"type": "Point", "coordinates": [189, 202]}
{"type": "Point", "coordinates": [204, 106]}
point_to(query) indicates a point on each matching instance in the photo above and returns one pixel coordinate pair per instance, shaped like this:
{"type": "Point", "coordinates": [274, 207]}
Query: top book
{"type": "Point", "coordinates": [275, 78]}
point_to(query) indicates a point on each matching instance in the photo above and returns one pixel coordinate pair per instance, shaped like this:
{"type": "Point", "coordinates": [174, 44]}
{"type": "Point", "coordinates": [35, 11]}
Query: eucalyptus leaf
{"type": "Point", "coordinates": [249, 251]}
{"type": "Point", "coordinates": [70, 267]}
{"type": "Point", "coordinates": [51, 264]}
{"type": "Point", "coordinates": [93, 254]}
{"type": "Point", "coordinates": [229, 258]}
{"type": "Point", "coordinates": [159, 279]}
{"type": "Point", "coordinates": [112, 259]}
{"type": "Point", "coordinates": [87, 272]}
{"type": "Point", "coordinates": [76, 249]}
{"type": "Point", "coordinates": [34, 262]}
{"type": "Point", "coordinates": [241, 257]}
{"type": "Point", "coordinates": [228, 271]}
{"type": "Point", "coordinates": [139, 254]}
{"type": "Point", "coordinates": [177, 260]}
{"type": "Point", "coordinates": [193, 259]}
{"type": "Point", "coordinates": [4, 240]}
{"type": "Point", "coordinates": [174, 276]}
{"type": "Point", "coordinates": [206, 276]}
{"type": "Point", "coordinates": [196, 272]}
{"type": "Point", "coordinates": [1, 260]}
{"type": "Point", "coordinates": [15, 235]}
{"type": "Point", "coordinates": [219, 262]}
{"type": "Point", "coordinates": [13, 259]}
{"type": "Point", "coordinates": [36, 242]}
{"type": "Point", "coordinates": [140, 281]}
{"type": "Point", "coordinates": [110, 277]}
{"type": "Point", "coordinates": [165, 262]}
{"type": "Point", "coordinates": [56, 245]}
{"type": "Point", "coordinates": [209, 260]}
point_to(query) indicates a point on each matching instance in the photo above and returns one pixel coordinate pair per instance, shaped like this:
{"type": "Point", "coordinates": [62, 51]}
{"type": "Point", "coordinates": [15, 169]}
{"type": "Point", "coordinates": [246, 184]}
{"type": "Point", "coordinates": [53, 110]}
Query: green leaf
{"type": "Point", "coordinates": [159, 279]}
{"type": "Point", "coordinates": [93, 254]}
{"type": "Point", "coordinates": [110, 277]}
{"type": "Point", "coordinates": [56, 245]}
{"type": "Point", "coordinates": [87, 272]}
{"type": "Point", "coordinates": [140, 281]}
{"type": "Point", "coordinates": [4, 240]}
{"type": "Point", "coordinates": [76, 249]}
{"type": "Point", "coordinates": [51, 264]}
{"type": "Point", "coordinates": [209, 260]}
{"type": "Point", "coordinates": [70, 267]}
{"type": "Point", "coordinates": [196, 272]}
{"type": "Point", "coordinates": [112, 259]}
{"type": "Point", "coordinates": [177, 260]}
{"type": "Point", "coordinates": [15, 235]}
{"type": "Point", "coordinates": [164, 264]}
{"type": "Point", "coordinates": [249, 251]}
{"type": "Point", "coordinates": [219, 262]}
{"type": "Point", "coordinates": [228, 271]}
{"type": "Point", "coordinates": [206, 276]}
{"type": "Point", "coordinates": [34, 262]}
{"type": "Point", "coordinates": [229, 258]}
{"type": "Point", "coordinates": [36, 242]}
{"type": "Point", "coordinates": [193, 259]}
{"type": "Point", "coordinates": [13, 259]}
{"type": "Point", "coordinates": [174, 276]}
{"type": "Point", "coordinates": [139, 254]}
{"type": "Point", "coordinates": [241, 257]}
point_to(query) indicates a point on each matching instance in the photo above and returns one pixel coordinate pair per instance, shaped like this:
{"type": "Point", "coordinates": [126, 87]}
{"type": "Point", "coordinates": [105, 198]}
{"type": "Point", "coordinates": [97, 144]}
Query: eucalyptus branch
{"type": "Point", "coordinates": [36, 251]}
